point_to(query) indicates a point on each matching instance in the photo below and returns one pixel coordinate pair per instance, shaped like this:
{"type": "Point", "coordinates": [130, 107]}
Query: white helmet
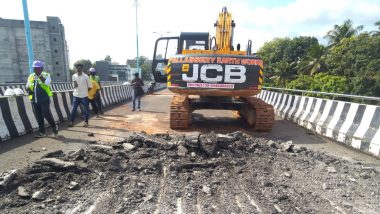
{"type": "Point", "coordinates": [18, 91]}
{"type": "Point", "coordinates": [92, 70]}
{"type": "Point", "coordinates": [9, 92]}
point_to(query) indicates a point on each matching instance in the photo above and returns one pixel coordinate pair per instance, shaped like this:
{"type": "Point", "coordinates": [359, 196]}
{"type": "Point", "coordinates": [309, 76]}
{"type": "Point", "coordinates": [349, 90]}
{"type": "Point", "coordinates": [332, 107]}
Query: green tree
{"type": "Point", "coordinates": [358, 59]}
{"type": "Point", "coordinates": [146, 71]}
{"type": "Point", "coordinates": [314, 61]}
{"type": "Point", "coordinates": [72, 71]}
{"type": "Point", "coordinates": [376, 32]}
{"type": "Point", "coordinates": [284, 72]}
{"type": "Point", "coordinates": [320, 82]}
{"type": "Point", "coordinates": [108, 58]}
{"type": "Point", "coordinates": [271, 53]}
{"type": "Point", "coordinates": [298, 48]}
{"type": "Point", "coordinates": [340, 32]}
{"type": "Point", "coordinates": [145, 66]}
{"type": "Point", "coordinates": [284, 53]}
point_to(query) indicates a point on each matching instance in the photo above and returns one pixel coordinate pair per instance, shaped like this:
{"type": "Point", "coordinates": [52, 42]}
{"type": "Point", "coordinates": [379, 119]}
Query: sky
{"type": "Point", "coordinates": [96, 28]}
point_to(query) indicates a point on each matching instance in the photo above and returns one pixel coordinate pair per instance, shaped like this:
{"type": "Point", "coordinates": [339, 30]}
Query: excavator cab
{"type": "Point", "coordinates": [166, 47]}
{"type": "Point", "coordinates": [163, 50]}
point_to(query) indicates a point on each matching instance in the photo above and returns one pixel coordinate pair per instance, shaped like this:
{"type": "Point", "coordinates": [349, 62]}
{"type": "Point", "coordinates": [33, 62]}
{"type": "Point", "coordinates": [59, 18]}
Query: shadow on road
{"type": "Point", "coordinates": [12, 144]}
{"type": "Point", "coordinates": [89, 139]}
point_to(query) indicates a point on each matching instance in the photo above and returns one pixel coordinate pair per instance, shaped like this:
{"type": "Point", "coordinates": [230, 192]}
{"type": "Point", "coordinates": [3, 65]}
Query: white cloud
{"type": "Point", "coordinates": [96, 28]}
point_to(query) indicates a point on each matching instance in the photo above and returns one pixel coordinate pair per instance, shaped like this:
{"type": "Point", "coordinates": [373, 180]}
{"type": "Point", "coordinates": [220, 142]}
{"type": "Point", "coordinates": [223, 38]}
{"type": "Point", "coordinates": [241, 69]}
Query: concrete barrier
{"type": "Point", "coordinates": [55, 86]}
{"type": "Point", "coordinates": [17, 117]}
{"type": "Point", "coordinates": [357, 125]}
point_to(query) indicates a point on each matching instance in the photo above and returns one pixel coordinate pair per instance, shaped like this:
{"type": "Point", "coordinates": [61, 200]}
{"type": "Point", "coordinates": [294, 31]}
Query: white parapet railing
{"type": "Point", "coordinates": [352, 123]}
{"type": "Point", "coordinates": [17, 117]}
{"type": "Point", "coordinates": [332, 95]}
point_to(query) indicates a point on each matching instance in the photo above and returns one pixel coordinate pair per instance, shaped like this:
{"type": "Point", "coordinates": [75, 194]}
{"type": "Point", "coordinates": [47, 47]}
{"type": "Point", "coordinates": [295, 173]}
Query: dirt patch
{"type": "Point", "coordinates": [191, 173]}
{"type": "Point", "coordinates": [151, 123]}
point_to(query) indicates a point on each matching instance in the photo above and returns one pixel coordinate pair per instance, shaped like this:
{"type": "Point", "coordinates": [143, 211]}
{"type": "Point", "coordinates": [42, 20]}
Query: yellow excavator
{"type": "Point", "coordinates": [210, 73]}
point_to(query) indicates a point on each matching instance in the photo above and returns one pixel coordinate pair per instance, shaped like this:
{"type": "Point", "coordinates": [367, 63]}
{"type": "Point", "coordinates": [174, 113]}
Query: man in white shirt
{"type": "Point", "coordinates": [82, 85]}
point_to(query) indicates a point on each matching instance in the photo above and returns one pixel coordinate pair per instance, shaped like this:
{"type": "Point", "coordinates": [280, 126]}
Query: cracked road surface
{"type": "Point", "coordinates": [192, 173]}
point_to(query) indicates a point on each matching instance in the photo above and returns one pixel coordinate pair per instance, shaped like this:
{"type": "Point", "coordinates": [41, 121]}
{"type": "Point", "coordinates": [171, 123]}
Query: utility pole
{"type": "Point", "coordinates": [137, 40]}
{"type": "Point", "coordinates": [28, 35]}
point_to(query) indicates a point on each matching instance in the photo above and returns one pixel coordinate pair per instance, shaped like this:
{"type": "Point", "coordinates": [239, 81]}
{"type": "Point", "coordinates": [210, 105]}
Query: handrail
{"type": "Point", "coordinates": [326, 93]}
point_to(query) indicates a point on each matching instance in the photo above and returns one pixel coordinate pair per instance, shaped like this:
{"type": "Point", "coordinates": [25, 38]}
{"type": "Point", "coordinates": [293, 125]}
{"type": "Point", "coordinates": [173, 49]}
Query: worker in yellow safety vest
{"type": "Point", "coordinates": [38, 87]}
{"type": "Point", "coordinates": [96, 78]}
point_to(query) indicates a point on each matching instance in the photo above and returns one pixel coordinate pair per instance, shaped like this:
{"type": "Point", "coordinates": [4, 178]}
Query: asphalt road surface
{"type": "Point", "coordinates": [111, 167]}
{"type": "Point", "coordinates": [119, 122]}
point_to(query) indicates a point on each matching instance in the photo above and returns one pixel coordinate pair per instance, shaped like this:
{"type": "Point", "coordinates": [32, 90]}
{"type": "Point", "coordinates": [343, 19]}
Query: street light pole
{"type": "Point", "coordinates": [28, 35]}
{"type": "Point", "coordinates": [137, 40]}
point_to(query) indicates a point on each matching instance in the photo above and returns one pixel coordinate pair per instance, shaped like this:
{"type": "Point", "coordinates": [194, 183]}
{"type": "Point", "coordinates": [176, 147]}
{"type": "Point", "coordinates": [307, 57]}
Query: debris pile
{"type": "Point", "coordinates": [213, 173]}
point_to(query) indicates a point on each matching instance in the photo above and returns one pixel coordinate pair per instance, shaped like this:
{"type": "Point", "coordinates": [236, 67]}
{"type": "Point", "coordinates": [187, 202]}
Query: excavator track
{"type": "Point", "coordinates": [261, 116]}
{"type": "Point", "coordinates": [180, 112]}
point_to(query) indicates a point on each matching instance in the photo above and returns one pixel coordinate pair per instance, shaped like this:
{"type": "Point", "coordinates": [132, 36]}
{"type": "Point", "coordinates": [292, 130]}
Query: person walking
{"type": "Point", "coordinates": [96, 78]}
{"type": "Point", "coordinates": [92, 96]}
{"type": "Point", "coordinates": [138, 91]}
{"type": "Point", "coordinates": [38, 87]}
{"type": "Point", "coordinates": [82, 85]}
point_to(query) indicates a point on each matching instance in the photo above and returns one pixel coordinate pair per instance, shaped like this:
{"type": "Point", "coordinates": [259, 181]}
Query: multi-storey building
{"type": "Point", "coordinates": [49, 45]}
{"type": "Point", "coordinates": [112, 72]}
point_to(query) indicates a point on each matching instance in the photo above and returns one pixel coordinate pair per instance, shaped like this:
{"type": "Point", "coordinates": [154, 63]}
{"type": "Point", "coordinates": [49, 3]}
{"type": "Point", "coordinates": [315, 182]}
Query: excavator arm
{"type": "Point", "coordinates": [224, 31]}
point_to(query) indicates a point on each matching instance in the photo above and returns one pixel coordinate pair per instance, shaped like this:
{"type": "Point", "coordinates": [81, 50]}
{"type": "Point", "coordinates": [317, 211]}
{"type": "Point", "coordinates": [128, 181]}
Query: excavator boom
{"type": "Point", "coordinates": [224, 31]}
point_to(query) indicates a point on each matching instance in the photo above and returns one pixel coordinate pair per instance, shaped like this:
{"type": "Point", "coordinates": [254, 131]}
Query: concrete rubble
{"type": "Point", "coordinates": [193, 172]}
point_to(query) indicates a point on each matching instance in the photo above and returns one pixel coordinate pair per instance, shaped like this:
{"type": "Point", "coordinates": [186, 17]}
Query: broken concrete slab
{"type": "Point", "coordinates": [6, 177]}
{"type": "Point", "coordinates": [56, 163]}
{"type": "Point", "coordinates": [129, 147]}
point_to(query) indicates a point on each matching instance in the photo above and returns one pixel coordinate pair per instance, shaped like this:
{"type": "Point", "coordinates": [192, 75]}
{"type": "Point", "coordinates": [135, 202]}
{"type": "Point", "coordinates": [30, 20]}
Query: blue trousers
{"type": "Point", "coordinates": [138, 98]}
{"type": "Point", "coordinates": [75, 104]}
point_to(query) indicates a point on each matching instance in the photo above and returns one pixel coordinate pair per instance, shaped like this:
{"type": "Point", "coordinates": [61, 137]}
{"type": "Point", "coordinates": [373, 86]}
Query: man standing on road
{"type": "Point", "coordinates": [138, 91]}
{"type": "Point", "coordinates": [38, 87]}
{"type": "Point", "coordinates": [92, 96]}
{"type": "Point", "coordinates": [82, 85]}
{"type": "Point", "coordinates": [96, 78]}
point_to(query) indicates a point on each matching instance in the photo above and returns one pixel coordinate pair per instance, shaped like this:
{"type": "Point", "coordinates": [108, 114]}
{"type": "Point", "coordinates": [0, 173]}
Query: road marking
{"type": "Point", "coordinates": [162, 188]}
{"type": "Point", "coordinates": [214, 206]}
{"type": "Point", "coordinates": [361, 211]}
{"type": "Point", "coordinates": [199, 208]}
{"type": "Point", "coordinates": [165, 169]}
{"type": "Point", "coordinates": [252, 201]}
{"type": "Point", "coordinates": [278, 208]}
{"type": "Point", "coordinates": [237, 200]}
{"type": "Point", "coordinates": [92, 207]}
{"type": "Point", "coordinates": [75, 209]}
{"type": "Point", "coordinates": [179, 205]}
{"type": "Point", "coordinates": [335, 206]}
{"type": "Point", "coordinates": [164, 95]}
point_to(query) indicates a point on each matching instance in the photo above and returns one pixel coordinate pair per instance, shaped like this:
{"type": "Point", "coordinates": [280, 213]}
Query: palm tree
{"type": "Point", "coordinates": [346, 30]}
{"type": "Point", "coordinates": [315, 61]}
{"type": "Point", "coordinates": [284, 72]}
{"type": "Point", "coordinates": [376, 32]}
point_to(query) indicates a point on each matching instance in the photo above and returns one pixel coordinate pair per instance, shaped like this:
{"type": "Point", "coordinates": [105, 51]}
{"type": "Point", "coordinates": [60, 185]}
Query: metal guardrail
{"type": "Point", "coordinates": [326, 93]}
